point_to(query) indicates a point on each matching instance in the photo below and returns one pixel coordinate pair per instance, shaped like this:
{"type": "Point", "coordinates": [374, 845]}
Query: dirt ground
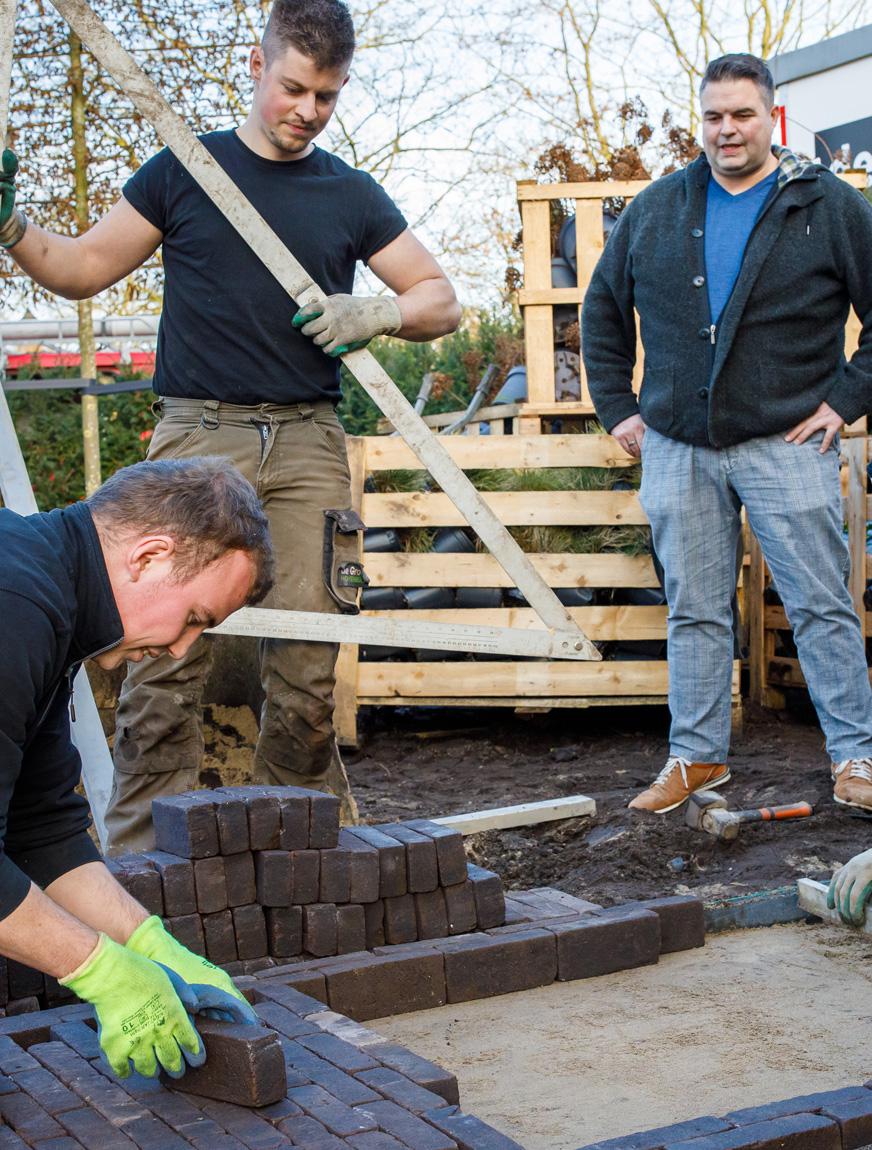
{"type": "Point", "coordinates": [756, 1016]}
{"type": "Point", "coordinates": [431, 762]}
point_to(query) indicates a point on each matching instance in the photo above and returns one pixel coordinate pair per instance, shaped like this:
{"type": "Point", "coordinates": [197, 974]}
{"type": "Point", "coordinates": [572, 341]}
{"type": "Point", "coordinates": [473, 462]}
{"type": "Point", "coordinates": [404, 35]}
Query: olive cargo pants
{"type": "Point", "coordinates": [295, 458]}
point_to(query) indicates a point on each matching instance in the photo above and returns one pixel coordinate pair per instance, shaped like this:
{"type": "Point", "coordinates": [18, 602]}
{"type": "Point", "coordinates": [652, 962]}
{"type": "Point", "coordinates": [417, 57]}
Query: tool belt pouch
{"type": "Point", "coordinates": [344, 575]}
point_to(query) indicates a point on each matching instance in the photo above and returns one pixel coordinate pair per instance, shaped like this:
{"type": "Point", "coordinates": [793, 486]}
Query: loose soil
{"type": "Point", "coordinates": [756, 1016]}
{"type": "Point", "coordinates": [431, 762]}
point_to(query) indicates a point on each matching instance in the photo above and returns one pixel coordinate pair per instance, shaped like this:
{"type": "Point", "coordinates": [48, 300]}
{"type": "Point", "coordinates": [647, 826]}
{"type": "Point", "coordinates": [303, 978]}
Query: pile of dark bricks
{"type": "Point", "coordinates": [346, 1089]}
{"type": "Point", "coordinates": [832, 1120]}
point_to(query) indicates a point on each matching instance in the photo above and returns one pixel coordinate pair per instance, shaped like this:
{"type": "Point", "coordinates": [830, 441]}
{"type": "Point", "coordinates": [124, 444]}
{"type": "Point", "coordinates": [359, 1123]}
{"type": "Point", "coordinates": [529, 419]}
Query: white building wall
{"type": "Point", "coordinates": [825, 100]}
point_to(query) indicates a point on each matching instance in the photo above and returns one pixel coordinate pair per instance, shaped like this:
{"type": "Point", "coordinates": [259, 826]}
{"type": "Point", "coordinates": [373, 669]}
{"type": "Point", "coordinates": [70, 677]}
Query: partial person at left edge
{"type": "Point", "coordinates": [159, 553]}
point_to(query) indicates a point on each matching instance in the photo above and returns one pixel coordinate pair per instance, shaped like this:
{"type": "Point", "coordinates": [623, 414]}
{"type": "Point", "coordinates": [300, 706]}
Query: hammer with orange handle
{"type": "Point", "coordinates": [706, 811]}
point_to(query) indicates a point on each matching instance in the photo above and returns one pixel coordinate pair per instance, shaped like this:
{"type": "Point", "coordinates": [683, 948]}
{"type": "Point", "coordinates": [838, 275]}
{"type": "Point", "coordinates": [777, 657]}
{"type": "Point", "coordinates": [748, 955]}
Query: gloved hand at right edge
{"type": "Point", "coordinates": [141, 1018]}
{"type": "Point", "coordinates": [13, 223]}
{"type": "Point", "coordinates": [851, 888]}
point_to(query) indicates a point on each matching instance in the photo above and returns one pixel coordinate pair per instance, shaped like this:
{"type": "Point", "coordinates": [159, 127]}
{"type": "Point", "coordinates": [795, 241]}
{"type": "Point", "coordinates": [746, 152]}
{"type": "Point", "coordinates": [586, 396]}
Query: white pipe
{"type": "Point", "coordinates": [139, 327]}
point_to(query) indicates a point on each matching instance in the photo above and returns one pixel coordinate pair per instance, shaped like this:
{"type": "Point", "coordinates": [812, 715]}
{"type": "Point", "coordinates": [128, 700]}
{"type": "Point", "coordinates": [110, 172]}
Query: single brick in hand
{"type": "Point", "coordinates": [244, 1065]}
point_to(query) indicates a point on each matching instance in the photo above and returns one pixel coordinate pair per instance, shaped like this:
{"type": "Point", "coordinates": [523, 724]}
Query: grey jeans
{"type": "Point", "coordinates": [693, 497]}
{"type": "Point", "coordinates": [295, 457]}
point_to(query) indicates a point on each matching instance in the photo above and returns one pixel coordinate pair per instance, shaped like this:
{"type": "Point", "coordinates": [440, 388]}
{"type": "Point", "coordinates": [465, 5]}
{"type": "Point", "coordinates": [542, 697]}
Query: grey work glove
{"type": "Point", "coordinates": [13, 223]}
{"type": "Point", "coordinates": [342, 323]}
{"type": "Point", "coordinates": [850, 889]}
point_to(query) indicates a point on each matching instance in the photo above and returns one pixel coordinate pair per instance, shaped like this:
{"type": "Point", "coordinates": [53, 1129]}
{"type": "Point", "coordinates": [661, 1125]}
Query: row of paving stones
{"type": "Point", "coordinates": [832, 1120]}
{"type": "Point", "coordinates": [548, 936]}
{"type": "Point", "coordinates": [343, 1084]}
{"type": "Point", "coordinates": [346, 1089]}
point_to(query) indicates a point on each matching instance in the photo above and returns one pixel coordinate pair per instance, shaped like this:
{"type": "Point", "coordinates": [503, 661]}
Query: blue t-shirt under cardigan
{"type": "Point", "coordinates": [729, 221]}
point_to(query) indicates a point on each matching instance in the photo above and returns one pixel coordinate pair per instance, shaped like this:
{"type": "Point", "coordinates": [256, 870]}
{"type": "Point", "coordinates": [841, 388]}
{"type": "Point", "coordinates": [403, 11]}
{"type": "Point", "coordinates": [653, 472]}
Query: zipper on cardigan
{"type": "Point", "coordinates": [712, 332]}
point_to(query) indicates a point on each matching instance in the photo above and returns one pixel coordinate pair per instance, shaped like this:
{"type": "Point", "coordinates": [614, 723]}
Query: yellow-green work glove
{"type": "Point", "coordinates": [141, 1019]}
{"type": "Point", "coordinates": [342, 323]}
{"type": "Point", "coordinates": [851, 888]}
{"type": "Point", "coordinates": [151, 940]}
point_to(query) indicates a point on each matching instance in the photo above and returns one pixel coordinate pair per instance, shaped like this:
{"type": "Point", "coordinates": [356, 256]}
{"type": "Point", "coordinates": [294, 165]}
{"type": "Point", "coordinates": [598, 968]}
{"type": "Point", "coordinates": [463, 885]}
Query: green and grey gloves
{"type": "Point", "coordinates": [342, 323]}
{"type": "Point", "coordinates": [13, 223]}
{"type": "Point", "coordinates": [141, 1021]}
{"type": "Point", "coordinates": [851, 888]}
{"type": "Point", "coordinates": [216, 996]}
{"type": "Point", "coordinates": [144, 994]}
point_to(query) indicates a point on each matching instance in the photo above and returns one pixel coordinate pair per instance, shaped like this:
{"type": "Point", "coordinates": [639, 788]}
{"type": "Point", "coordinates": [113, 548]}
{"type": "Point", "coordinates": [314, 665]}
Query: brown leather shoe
{"type": "Point", "coordinates": [677, 782]}
{"type": "Point", "coordinates": [853, 783]}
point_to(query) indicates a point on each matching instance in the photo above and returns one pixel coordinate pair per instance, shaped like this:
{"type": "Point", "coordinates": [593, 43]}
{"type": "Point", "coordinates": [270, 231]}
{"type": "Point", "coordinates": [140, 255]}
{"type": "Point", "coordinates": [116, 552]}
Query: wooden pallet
{"type": "Point", "coordinates": [527, 684]}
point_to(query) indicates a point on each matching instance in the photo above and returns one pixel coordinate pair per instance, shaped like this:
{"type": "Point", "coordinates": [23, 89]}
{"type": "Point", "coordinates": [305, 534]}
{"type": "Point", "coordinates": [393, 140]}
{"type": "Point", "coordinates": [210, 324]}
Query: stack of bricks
{"type": "Point", "coordinates": [548, 936]}
{"type": "Point", "coordinates": [249, 874]}
{"type": "Point", "coordinates": [252, 877]}
{"type": "Point", "coordinates": [347, 1089]}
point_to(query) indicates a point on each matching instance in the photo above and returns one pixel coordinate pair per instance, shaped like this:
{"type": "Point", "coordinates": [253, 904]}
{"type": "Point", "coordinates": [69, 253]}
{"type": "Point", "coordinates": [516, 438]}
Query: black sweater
{"type": "Point", "coordinates": [57, 608]}
{"type": "Point", "coordinates": [778, 351]}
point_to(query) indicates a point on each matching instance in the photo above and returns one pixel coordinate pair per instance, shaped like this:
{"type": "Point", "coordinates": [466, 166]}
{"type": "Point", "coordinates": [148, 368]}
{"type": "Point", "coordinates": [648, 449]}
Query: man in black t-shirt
{"type": "Point", "coordinates": [240, 372]}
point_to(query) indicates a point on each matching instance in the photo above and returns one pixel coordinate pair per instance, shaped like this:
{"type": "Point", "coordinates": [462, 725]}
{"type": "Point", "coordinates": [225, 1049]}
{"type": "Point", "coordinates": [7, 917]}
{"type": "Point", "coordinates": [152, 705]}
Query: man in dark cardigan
{"type": "Point", "coordinates": [742, 269]}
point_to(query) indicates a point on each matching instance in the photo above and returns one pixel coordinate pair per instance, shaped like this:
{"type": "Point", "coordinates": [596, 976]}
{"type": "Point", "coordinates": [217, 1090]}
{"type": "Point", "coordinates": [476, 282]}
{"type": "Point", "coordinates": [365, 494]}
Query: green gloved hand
{"type": "Point", "coordinates": [151, 940]}
{"type": "Point", "coordinates": [851, 888]}
{"type": "Point", "coordinates": [141, 1019]}
{"type": "Point", "coordinates": [342, 323]}
{"type": "Point", "coordinates": [13, 223]}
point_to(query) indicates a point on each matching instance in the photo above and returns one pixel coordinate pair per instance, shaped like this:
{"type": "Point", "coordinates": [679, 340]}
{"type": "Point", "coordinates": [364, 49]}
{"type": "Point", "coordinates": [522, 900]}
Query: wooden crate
{"type": "Point", "coordinates": [528, 684]}
{"type": "Point", "coordinates": [771, 673]}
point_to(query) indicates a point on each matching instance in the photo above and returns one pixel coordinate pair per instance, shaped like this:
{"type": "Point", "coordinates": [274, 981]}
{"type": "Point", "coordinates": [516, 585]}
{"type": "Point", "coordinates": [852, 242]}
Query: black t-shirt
{"type": "Point", "coordinates": [225, 331]}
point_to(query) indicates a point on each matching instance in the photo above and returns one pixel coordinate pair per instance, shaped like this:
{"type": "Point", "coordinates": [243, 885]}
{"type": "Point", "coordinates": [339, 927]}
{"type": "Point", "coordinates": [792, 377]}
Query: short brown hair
{"type": "Point", "coordinates": [741, 66]}
{"type": "Point", "coordinates": [320, 29]}
{"type": "Point", "coordinates": [204, 504]}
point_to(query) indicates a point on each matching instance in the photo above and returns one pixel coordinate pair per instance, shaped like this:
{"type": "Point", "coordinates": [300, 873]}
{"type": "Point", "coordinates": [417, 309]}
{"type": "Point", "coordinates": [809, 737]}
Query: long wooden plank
{"type": "Point", "coordinates": [854, 452]}
{"type": "Point", "coordinates": [514, 508]}
{"type": "Point", "coordinates": [291, 275]}
{"type": "Point", "coordinates": [776, 619]}
{"type": "Point", "coordinates": [601, 624]}
{"type": "Point", "coordinates": [429, 569]}
{"type": "Point", "coordinates": [539, 353]}
{"type": "Point", "coordinates": [481, 452]}
{"type": "Point", "coordinates": [551, 296]}
{"type": "Point", "coordinates": [591, 190]}
{"type": "Point", "coordinates": [520, 815]}
{"type": "Point", "coordinates": [459, 680]}
{"type": "Point", "coordinates": [7, 32]}
{"type": "Point", "coordinates": [525, 703]}
{"type": "Point", "coordinates": [813, 898]}
{"type": "Point", "coordinates": [381, 629]}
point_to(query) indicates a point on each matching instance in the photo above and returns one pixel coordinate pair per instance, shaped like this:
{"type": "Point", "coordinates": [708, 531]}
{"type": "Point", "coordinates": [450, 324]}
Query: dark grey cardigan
{"type": "Point", "coordinates": [778, 351]}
